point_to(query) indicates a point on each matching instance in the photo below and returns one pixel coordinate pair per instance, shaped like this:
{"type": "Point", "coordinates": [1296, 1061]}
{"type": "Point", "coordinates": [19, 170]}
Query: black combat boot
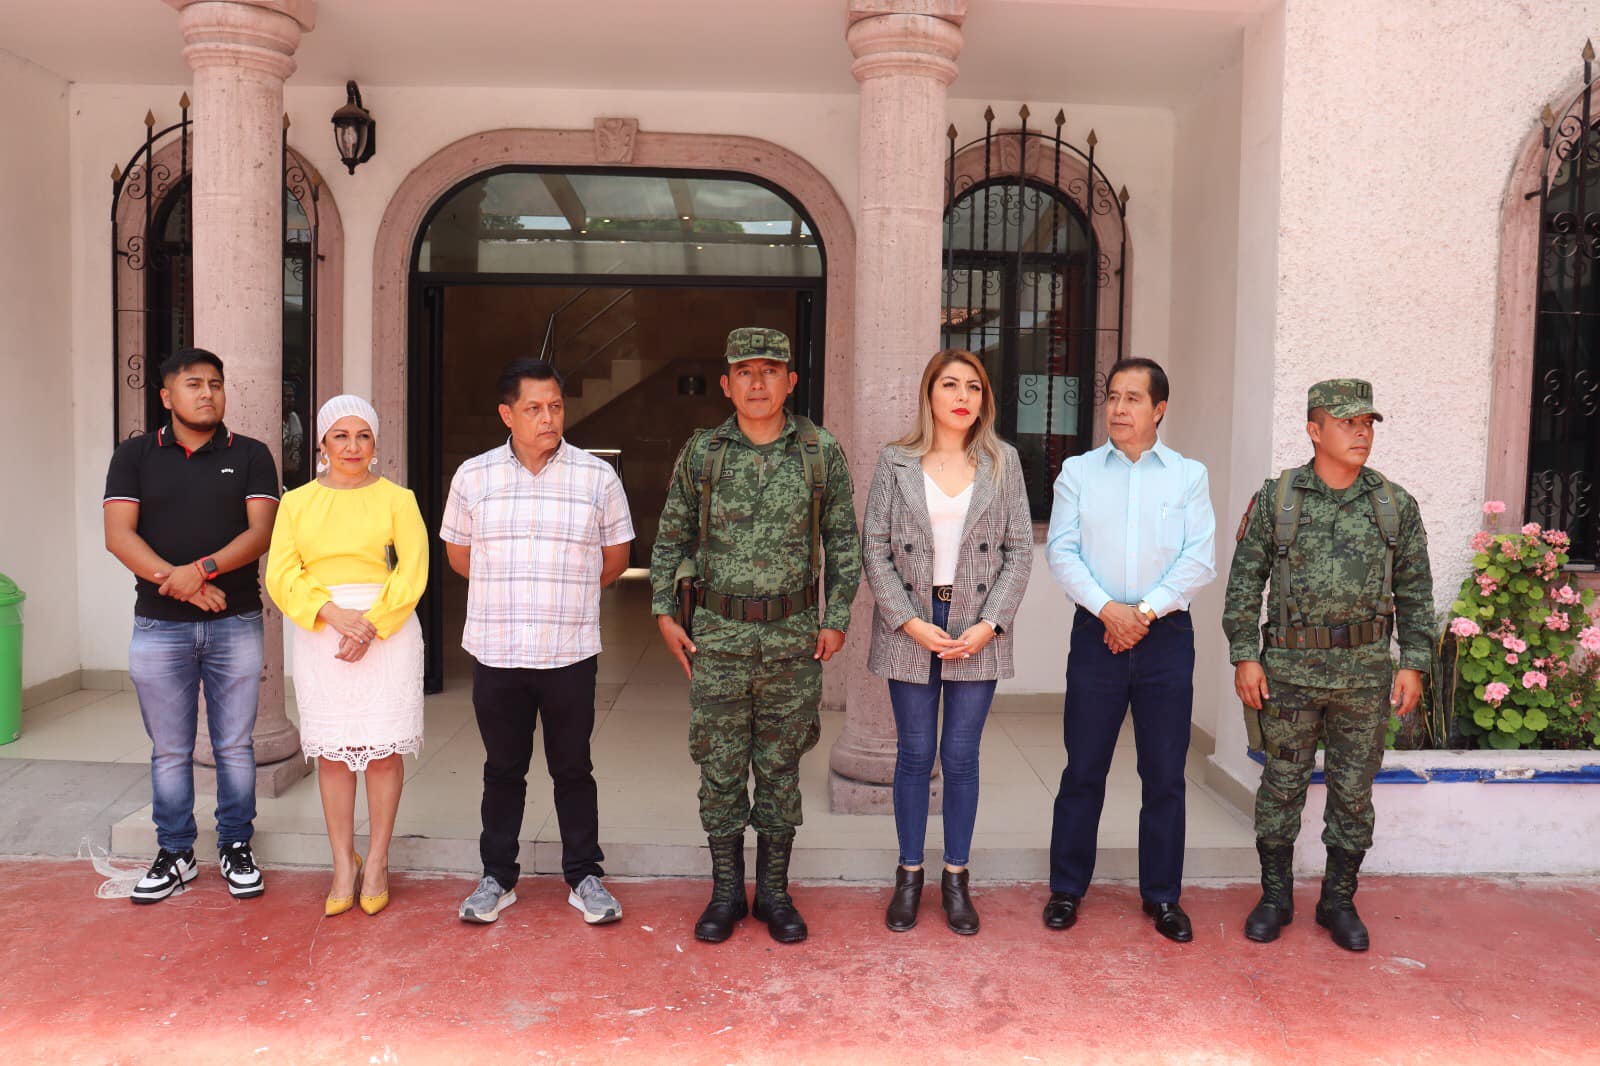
{"type": "Point", "coordinates": [906, 898]}
{"type": "Point", "coordinates": [1276, 908]}
{"type": "Point", "coordinates": [728, 903]}
{"type": "Point", "coordinates": [1336, 910]}
{"type": "Point", "coordinates": [773, 904]}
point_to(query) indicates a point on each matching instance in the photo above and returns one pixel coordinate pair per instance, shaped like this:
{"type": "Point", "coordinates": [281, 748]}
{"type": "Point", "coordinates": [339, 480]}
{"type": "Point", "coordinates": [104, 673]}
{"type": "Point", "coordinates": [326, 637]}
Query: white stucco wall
{"type": "Point", "coordinates": [37, 548]}
{"type": "Point", "coordinates": [1205, 239]}
{"type": "Point", "coordinates": [1390, 215]}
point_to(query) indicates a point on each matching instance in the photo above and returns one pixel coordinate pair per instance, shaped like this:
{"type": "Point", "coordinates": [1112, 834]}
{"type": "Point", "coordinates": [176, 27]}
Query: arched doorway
{"type": "Point", "coordinates": [627, 279]}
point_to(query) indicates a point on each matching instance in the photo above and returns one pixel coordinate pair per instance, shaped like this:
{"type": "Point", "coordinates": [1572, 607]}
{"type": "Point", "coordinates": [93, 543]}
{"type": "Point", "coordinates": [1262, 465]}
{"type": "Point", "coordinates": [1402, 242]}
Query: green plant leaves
{"type": "Point", "coordinates": [1484, 716]}
{"type": "Point", "coordinates": [1510, 720]}
{"type": "Point", "coordinates": [1480, 647]}
{"type": "Point", "coordinates": [1535, 720]}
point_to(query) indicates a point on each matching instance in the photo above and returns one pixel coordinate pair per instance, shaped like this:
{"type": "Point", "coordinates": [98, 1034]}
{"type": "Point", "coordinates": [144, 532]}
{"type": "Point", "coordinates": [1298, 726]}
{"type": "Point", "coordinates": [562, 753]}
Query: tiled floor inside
{"type": "Point", "coordinates": [648, 809]}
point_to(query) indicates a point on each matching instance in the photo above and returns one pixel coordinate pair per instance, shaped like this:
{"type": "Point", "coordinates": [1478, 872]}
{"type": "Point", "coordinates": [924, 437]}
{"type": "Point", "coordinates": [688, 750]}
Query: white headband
{"type": "Point", "coordinates": [343, 406]}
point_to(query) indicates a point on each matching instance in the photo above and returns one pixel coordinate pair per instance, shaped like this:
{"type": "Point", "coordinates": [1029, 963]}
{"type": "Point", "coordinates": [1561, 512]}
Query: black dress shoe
{"type": "Point", "coordinates": [1062, 910]}
{"type": "Point", "coordinates": [1171, 922]}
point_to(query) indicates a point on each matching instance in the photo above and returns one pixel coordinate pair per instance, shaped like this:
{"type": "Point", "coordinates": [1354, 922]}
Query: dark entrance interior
{"type": "Point", "coordinates": [641, 365]}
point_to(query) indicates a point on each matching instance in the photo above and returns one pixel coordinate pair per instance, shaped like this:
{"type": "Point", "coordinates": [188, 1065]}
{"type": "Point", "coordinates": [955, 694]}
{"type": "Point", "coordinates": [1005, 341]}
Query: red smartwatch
{"type": "Point", "coordinates": [208, 568]}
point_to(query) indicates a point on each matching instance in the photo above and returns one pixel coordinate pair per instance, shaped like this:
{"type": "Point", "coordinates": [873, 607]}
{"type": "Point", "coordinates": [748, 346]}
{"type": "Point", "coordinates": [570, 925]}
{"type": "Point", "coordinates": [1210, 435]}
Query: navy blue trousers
{"type": "Point", "coordinates": [1156, 679]}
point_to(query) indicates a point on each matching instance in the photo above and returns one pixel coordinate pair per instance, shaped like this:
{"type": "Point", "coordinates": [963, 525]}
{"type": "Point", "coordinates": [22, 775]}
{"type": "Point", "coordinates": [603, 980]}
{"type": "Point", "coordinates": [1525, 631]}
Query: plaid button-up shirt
{"type": "Point", "coordinates": [533, 600]}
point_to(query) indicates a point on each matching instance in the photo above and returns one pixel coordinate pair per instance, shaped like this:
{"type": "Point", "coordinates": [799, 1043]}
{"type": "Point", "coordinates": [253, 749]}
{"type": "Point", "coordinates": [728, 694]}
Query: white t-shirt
{"type": "Point", "coordinates": [947, 515]}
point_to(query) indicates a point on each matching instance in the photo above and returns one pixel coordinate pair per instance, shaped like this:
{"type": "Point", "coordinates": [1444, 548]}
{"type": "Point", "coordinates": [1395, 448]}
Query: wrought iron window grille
{"type": "Point", "coordinates": [1564, 422]}
{"type": "Point", "coordinates": [1034, 284]}
{"type": "Point", "coordinates": [152, 280]}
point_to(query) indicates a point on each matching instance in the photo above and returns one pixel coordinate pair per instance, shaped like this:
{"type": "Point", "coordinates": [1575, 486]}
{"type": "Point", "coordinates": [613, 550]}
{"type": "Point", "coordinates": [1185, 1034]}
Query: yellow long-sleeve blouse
{"type": "Point", "coordinates": [326, 537]}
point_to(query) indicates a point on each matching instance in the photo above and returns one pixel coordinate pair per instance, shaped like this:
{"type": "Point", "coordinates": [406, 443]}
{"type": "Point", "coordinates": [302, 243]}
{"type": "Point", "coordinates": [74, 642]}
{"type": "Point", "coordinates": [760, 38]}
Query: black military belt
{"type": "Point", "coordinates": [944, 593]}
{"type": "Point", "coordinates": [1356, 635]}
{"type": "Point", "coordinates": [756, 608]}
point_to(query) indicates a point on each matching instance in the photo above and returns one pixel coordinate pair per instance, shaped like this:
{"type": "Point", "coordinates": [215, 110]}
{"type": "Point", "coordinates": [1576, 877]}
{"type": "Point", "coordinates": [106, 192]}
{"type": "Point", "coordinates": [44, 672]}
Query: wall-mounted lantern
{"type": "Point", "coordinates": [354, 131]}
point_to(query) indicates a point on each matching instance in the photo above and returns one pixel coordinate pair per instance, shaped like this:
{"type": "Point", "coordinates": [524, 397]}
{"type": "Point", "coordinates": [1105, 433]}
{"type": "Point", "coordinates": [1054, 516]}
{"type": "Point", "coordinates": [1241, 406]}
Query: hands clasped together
{"type": "Point", "coordinates": [944, 645]}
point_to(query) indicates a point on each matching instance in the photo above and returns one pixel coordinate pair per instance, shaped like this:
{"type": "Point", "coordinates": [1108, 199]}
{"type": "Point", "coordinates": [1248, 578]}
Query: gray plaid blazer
{"type": "Point", "coordinates": [897, 560]}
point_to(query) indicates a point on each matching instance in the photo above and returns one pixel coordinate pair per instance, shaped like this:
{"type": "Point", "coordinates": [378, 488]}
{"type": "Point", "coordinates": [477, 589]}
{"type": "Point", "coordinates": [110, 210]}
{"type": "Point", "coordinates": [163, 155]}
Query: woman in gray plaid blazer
{"type": "Point", "coordinates": [947, 543]}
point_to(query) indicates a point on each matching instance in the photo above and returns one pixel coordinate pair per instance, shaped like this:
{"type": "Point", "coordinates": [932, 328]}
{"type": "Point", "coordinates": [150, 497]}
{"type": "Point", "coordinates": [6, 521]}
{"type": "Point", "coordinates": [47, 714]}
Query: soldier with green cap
{"type": "Point", "coordinates": [760, 508]}
{"type": "Point", "coordinates": [1346, 558]}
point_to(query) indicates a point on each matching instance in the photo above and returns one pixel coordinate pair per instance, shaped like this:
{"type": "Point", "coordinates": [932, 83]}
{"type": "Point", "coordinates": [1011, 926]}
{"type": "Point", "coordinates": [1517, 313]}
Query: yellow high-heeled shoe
{"type": "Point", "coordinates": [374, 904]}
{"type": "Point", "coordinates": [339, 904]}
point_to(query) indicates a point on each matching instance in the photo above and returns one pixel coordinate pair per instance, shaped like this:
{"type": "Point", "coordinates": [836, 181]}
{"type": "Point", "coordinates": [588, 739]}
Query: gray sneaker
{"type": "Point", "coordinates": [486, 902]}
{"type": "Point", "coordinates": [598, 905]}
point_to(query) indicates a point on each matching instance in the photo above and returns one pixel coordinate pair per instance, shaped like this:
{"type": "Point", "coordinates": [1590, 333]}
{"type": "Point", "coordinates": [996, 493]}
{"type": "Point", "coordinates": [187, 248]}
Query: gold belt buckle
{"type": "Point", "coordinates": [944, 593]}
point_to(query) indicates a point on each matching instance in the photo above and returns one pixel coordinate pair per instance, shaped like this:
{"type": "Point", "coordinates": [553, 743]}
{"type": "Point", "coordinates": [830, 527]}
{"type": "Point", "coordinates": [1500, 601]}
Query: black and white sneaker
{"type": "Point", "coordinates": [239, 869]}
{"type": "Point", "coordinates": [170, 872]}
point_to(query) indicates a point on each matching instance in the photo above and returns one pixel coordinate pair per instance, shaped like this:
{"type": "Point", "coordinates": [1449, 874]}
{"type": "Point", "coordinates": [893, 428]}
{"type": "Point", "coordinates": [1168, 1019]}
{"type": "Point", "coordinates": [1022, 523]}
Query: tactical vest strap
{"type": "Point", "coordinates": [1291, 628]}
{"type": "Point", "coordinates": [1301, 638]}
{"type": "Point", "coordinates": [813, 462]}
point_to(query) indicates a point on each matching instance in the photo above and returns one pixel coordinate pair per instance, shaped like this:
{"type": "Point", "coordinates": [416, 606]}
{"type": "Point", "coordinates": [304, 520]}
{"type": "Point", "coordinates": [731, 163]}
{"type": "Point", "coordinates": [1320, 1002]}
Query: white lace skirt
{"type": "Point", "coordinates": [362, 711]}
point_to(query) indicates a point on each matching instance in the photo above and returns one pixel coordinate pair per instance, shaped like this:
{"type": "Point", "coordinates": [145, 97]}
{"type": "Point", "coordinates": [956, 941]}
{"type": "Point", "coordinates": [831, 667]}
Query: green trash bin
{"type": "Point", "coordinates": [11, 599]}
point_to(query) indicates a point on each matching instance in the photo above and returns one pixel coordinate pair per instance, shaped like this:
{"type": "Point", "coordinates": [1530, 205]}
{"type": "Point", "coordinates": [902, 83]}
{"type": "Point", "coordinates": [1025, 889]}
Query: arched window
{"type": "Point", "coordinates": [1545, 419]}
{"type": "Point", "coordinates": [1035, 255]}
{"type": "Point", "coordinates": [153, 292]}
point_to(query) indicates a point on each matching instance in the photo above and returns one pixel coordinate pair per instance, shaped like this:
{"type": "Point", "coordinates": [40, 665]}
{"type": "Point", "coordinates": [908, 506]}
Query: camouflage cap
{"type": "Point", "coordinates": [1342, 398]}
{"type": "Point", "coordinates": [753, 342]}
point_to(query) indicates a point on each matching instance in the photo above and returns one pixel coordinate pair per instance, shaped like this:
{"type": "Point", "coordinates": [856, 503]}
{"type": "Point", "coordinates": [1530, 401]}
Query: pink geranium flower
{"type": "Point", "coordinates": [1511, 659]}
{"type": "Point", "coordinates": [1464, 627]}
{"type": "Point", "coordinates": [1486, 584]}
{"type": "Point", "coordinates": [1494, 507]}
{"type": "Point", "coordinates": [1496, 691]}
{"type": "Point", "coordinates": [1516, 644]}
{"type": "Point", "coordinates": [1531, 529]}
{"type": "Point", "coordinates": [1568, 596]}
{"type": "Point", "coordinates": [1534, 679]}
{"type": "Point", "coordinates": [1556, 538]}
{"type": "Point", "coordinates": [1557, 621]}
{"type": "Point", "coordinates": [1589, 639]}
{"type": "Point", "coordinates": [1482, 540]}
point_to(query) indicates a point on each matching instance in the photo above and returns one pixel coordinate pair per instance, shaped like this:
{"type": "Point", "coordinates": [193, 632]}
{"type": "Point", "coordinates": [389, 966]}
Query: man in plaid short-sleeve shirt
{"type": "Point", "coordinates": [538, 528]}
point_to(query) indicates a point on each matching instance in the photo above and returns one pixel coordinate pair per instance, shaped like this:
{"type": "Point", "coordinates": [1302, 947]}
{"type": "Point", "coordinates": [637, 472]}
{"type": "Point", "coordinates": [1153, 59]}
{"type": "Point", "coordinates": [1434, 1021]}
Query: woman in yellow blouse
{"type": "Point", "coordinates": [348, 563]}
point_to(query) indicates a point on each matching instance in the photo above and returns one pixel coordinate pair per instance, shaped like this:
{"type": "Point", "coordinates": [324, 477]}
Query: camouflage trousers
{"type": "Point", "coordinates": [1351, 722]}
{"type": "Point", "coordinates": [748, 712]}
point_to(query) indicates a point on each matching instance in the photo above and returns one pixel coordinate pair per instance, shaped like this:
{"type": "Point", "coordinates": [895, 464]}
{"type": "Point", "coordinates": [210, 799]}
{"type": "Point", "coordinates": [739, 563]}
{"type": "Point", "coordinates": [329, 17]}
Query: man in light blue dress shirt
{"type": "Point", "coordinates": [1132, 539]}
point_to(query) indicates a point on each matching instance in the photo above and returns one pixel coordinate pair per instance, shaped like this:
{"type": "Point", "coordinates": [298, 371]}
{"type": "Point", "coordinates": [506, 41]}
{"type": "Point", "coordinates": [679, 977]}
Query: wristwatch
{"type": "Point", "coordinates": [1145, 609]}
{"type": "Point", "coordinates": [208, 567]}
{"type": "Point", "coordinates": [996, 626]}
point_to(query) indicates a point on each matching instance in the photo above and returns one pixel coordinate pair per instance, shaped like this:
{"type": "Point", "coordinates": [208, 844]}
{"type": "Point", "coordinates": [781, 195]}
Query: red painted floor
{"type": "Point", "coordinates": [1461, 971]}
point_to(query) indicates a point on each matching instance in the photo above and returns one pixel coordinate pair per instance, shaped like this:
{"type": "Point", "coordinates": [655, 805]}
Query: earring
{"type": "Point", "coordinates": [322, 462]}
{"type": "Point", "coordinates": [374, 464]}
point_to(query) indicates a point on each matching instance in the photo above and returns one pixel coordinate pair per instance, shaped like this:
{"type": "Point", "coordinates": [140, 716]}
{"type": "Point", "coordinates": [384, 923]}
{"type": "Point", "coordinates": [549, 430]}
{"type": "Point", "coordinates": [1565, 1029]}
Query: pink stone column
{"type": "Point", "coordinates": [240, 52]}
{"type": "Point", "coordinates": [905, 59]}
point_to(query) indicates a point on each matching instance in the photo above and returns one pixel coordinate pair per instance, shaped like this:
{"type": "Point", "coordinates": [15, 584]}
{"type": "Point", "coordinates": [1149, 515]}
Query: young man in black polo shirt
{"type": "Point", "coordinates": [189, 509]}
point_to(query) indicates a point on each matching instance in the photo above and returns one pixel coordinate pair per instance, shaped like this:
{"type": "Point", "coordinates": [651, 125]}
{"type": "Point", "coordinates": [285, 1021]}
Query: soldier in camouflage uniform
{"type": "Point", "coordinates": [1348, 561]}
{"type": "Point", "coordinates": [757, 647]}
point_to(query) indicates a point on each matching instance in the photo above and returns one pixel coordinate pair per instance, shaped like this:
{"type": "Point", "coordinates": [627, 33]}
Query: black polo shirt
{"type": "Point", "coordinates": [191, 505]}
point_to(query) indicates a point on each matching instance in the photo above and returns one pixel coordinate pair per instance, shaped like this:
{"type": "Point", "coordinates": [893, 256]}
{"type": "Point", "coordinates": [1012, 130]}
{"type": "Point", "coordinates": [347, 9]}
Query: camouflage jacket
{"type": "Point", "coordinates": [759, 543]}
{"type": "Point", "coordinates": [1336, 567]}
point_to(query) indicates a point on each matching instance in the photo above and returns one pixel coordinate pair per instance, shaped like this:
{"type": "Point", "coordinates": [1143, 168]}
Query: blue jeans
{"type": "Point", "coordinates": [916, 721]}
{"type": "Point", "coordinates": [1155, 679]}
{"type": "Point", "coordinates": [168, 662]}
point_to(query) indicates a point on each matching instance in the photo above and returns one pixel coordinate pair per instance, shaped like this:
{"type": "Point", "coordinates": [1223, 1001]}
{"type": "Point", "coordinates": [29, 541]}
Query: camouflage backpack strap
{"type": "Point", "coordinates": [710, 474]}
{"type": "Point", "coordinates": [816, 471]}
{"type": "Point", "coordinates": [1386, 510]}
{"type": "Point", "coordinates": [1285, 524]}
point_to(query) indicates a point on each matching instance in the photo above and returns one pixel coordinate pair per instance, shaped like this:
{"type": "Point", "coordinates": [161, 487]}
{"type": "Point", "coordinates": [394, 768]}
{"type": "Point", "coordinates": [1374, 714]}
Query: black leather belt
{"type": "Point", "coordinates": [944, 593]}
{"type": "Point", "coordinates": [756, 608]}
{"type": "Point", "coordinates": [1354, 635]}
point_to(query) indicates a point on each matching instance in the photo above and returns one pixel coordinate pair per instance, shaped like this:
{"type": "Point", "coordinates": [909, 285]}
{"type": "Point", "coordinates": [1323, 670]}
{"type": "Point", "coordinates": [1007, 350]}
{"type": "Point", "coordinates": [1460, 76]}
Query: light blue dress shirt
{"type": "Point", "coordinates": [1129, 531]}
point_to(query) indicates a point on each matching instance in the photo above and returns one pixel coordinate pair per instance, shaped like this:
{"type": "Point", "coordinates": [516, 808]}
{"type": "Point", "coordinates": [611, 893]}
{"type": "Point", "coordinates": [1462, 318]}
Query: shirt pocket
{"type": "Point", "coordinates": [1169, 530]}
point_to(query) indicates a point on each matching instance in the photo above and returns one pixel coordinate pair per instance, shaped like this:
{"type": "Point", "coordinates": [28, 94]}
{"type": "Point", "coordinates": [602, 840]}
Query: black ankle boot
{"type": "Point", "coordinates": [1336, 910]}
{"type": "Point", "coordinates": [773, 904]}
{"type": "Point", "coordinates": [1276, 908]}
{"type": "Point", "coordinates": [728, 903]}
{"type": "Point", "coordinates": [959, 912]}
{"type": "Point", "coordinates": [904, 901]}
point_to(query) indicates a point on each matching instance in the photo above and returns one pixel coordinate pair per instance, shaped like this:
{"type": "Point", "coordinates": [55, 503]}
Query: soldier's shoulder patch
{"type": "Point", "coordinates": [1244, 523]}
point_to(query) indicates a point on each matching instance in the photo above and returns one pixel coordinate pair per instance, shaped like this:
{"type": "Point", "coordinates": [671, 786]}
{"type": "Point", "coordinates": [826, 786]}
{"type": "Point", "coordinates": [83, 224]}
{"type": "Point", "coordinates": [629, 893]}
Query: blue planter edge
{"type": "Point", "coordinates": [1454, 775]}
